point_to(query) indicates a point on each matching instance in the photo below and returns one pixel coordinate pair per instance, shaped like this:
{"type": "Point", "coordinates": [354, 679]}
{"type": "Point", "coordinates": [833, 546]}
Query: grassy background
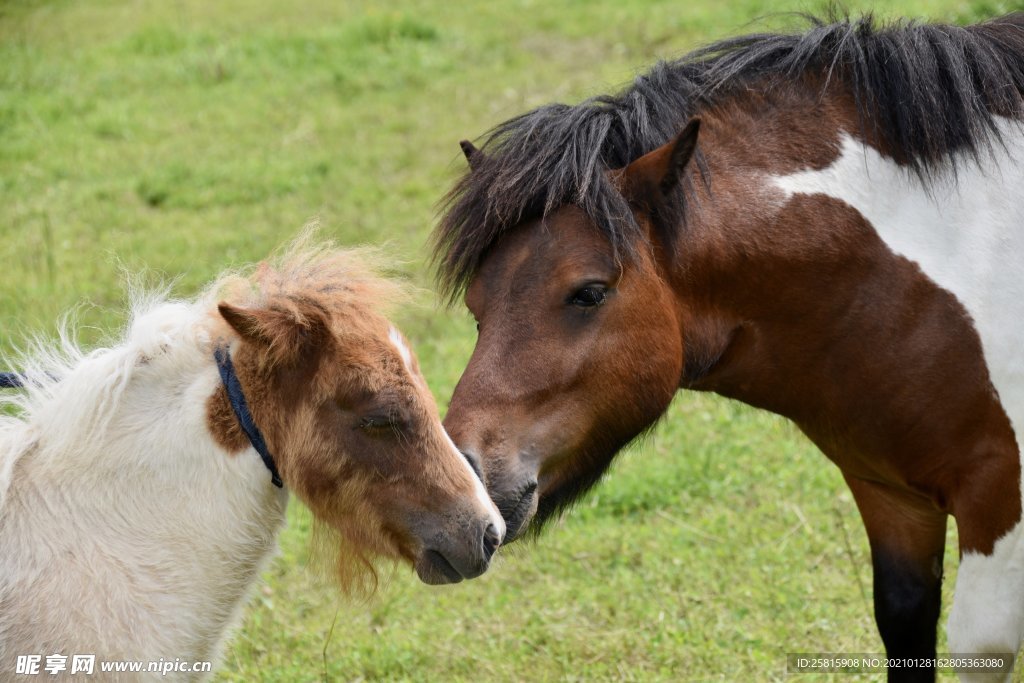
{"type": "Point", "coordinates": [186, 136]}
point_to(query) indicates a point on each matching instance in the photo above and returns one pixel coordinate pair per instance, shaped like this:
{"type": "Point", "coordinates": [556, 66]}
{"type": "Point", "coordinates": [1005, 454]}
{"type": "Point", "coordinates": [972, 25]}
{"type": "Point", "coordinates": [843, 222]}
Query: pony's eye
{"type": "Point", "coordinates": [589, 296]}
{"type": "Point", "coordinates": [372, 422]}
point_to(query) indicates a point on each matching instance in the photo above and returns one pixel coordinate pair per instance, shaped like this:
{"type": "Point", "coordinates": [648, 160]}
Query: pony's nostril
{"type": "Point", "coordinates": [491, 541]}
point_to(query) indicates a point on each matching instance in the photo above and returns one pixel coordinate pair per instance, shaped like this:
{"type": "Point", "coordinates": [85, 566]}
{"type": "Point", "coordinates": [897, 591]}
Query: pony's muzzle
{"type": "Point", "coordinates": [450, 560]}
{"type": "Point", "coordinates": [492, 539]}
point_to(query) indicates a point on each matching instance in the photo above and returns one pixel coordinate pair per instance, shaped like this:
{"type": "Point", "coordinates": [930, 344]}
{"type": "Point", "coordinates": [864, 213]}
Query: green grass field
{"type": "Point", "coordinates": [182, 137]}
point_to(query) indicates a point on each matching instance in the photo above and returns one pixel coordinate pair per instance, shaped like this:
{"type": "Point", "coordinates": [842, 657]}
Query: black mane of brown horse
{"type": "Point", "coordinates": [925, 91]}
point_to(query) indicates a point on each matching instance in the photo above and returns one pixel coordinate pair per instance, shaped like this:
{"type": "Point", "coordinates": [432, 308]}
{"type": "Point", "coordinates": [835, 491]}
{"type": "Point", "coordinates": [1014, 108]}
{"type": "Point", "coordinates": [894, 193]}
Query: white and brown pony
{"type": "Point", "coordinates": [828, 225]}
{"type": "Point", "coordinates": [142, 486]}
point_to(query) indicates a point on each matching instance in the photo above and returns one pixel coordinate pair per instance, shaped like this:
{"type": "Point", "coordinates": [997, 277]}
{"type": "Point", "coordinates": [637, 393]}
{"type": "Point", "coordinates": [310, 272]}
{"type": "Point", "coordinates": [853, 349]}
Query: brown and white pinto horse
{"type": "Point", "coordinates": [827, 225]}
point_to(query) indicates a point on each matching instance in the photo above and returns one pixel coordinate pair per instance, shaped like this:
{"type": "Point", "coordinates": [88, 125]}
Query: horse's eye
{"type": "Point", "coordinates": [589, 296]}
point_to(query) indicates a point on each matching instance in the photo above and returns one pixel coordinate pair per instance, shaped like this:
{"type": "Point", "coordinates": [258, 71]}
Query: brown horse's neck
{"type": "Point", "coordinates": [806, 312]}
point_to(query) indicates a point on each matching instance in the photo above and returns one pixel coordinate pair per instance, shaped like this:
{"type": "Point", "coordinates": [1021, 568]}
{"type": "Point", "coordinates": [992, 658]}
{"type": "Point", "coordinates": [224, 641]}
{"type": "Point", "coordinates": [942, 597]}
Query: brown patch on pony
{"type": "Point", "coordinates": [222, 423]}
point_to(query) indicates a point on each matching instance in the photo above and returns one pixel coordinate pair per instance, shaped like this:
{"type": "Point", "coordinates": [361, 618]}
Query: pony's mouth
{"type": "Point", "coordinates": [435, 570]}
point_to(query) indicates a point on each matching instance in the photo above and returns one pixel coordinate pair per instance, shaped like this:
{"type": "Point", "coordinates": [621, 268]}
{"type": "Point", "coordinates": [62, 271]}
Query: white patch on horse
{"type": "Point", "coordinates": [966, 233]}
{"type": "Point", "coordinates": [403, 350]}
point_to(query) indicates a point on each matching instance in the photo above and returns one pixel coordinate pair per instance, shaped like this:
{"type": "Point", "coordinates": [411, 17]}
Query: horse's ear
{"type": "Point", "coordinates": [285, 332]}
{"type": "Point", "coordinates": [662, 168]}
{"type": "Point", "coordinates": [683, 148]}
{"type": "Point", "coordinates": [473, 155]}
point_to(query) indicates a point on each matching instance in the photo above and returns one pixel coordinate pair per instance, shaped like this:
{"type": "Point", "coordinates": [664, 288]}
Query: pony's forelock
{"type": "Point", "coordinates": [312, 270]}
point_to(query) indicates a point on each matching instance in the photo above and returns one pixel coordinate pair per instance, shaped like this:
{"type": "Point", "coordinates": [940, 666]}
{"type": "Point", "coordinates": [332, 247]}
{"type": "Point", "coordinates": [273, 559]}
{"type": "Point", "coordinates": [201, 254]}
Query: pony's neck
{"type": "Point", "coordinates": [115, 472]}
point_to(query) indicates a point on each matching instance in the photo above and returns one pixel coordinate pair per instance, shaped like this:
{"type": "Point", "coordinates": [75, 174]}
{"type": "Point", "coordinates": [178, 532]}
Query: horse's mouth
{"type": "Point", "coordinates": [435, 570]}
{"type": "Point", "coordinates": [518, 514]}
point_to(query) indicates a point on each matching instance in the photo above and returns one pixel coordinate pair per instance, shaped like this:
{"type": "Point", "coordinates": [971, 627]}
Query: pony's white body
{"type": "Point", "coordinates": [966, 233]}
{"type": "Point", "coordinates": [126, 532]}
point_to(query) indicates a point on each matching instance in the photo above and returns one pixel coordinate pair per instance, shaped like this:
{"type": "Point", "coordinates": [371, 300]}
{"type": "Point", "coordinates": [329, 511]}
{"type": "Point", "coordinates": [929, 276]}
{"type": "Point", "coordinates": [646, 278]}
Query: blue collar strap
{"type": "Point", "coordinates": [11, 380]}
{"type": "Point", "coordinates": [237, 400]}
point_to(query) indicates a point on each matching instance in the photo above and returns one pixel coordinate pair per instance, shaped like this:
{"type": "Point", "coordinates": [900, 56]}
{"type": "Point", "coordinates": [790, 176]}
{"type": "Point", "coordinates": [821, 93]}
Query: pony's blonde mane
{"type": "Point", "coordinates": [70, 394]}
{"type": "Point", "coordinates": [309, 270]}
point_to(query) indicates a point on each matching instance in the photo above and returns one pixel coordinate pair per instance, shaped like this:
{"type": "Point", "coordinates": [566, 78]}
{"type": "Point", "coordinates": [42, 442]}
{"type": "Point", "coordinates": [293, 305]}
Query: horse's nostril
{"type": "Point", "coordinates": [491, 541]}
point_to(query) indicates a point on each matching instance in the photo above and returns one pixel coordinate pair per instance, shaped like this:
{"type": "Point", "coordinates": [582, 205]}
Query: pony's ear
{"type": "Point", "coordinates": [661, 169]}
{"type": "Point", "coordinates": [248, 323]}
{"type": "Point", "coordinates": [285, 332]}
{"type": "Point", "coordinates": [473, 155]}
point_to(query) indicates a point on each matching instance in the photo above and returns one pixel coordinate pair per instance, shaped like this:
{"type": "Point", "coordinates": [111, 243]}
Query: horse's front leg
{"type": "Point", "coordinates": [907, 537]}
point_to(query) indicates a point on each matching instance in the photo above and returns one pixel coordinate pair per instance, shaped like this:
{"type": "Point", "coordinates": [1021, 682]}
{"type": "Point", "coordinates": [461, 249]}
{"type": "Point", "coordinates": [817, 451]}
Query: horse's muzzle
{"type": "Point", "coordinates": [517, 509]}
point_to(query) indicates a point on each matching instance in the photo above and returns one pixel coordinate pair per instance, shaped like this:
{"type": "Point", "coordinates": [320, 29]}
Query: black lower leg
{"type": "Point", "coordinates": [907, 603]}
